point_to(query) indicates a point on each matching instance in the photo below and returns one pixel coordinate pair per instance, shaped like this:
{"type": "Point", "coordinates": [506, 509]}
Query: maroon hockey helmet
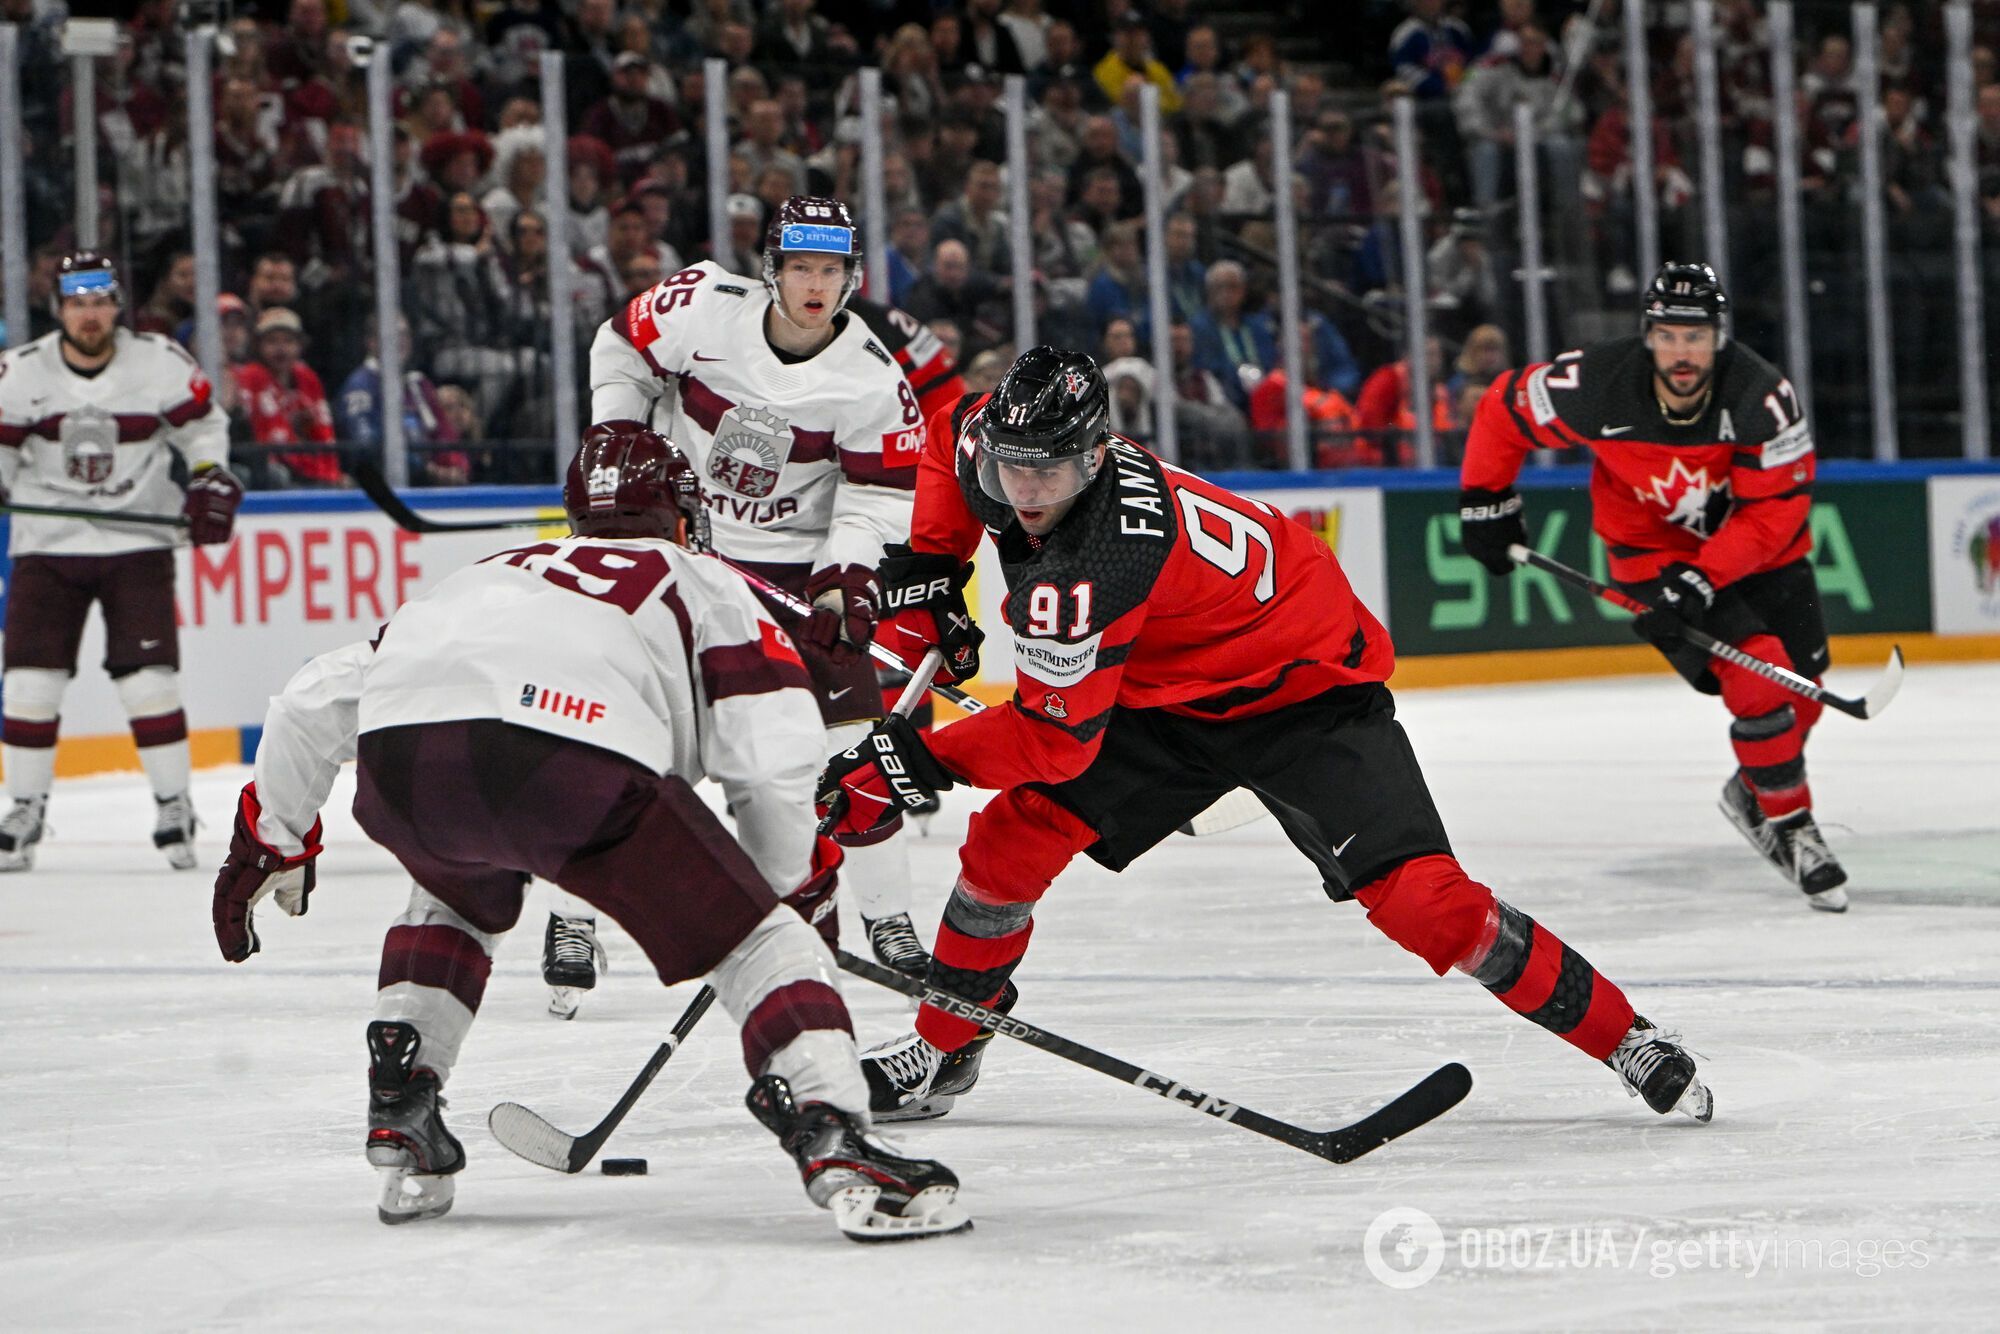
{"type": "Point", "coordinates": [86, 272]}
{"type": "Point", "coordinates": [814, 225]}
{"type": "Point", "coordinates": [627, 481]}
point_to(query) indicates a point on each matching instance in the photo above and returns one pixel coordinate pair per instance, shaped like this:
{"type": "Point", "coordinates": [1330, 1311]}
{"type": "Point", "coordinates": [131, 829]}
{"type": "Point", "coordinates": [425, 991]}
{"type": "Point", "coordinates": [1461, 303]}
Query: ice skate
{"type": "Point", "coordinates": [21, 830]}
{"type": "Point", "coordinates": [173, 831]}
{"type": "Point", "coordinates": [1655, 1068]}
{"type": "Point", "coordinates": [407, 1139]}
{"type": "Point", "coordinates": [896, 945]}
{"type": "Point", "coordinates": [874, 1192]}
{"type": "Point", "coordinates": [911, 1080]}
{"type": "Point", "coordinates": [571, 958]}
{"type": "Point", "coordinates": [1809, 862]}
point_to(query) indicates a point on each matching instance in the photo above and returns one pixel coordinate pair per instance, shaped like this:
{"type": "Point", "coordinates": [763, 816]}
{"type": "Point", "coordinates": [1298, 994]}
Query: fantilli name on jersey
{"type": "Point", "coordinates": [803, 463]}
{"type": "Point", "coordinates": [103, 442]}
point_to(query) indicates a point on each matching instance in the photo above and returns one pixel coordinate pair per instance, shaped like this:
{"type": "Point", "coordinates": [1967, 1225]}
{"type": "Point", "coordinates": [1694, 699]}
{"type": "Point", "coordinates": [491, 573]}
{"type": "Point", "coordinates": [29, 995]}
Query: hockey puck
{"type": "Point", "coordinates": [624, 1167]}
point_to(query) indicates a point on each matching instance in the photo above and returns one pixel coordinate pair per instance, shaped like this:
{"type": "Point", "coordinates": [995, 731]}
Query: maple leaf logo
{"type": "Point", "coordinates": [1691, 499]}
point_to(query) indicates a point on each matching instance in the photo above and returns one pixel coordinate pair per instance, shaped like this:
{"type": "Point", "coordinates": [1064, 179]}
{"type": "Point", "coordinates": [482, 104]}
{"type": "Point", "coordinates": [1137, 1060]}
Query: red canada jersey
{"type": "Point", "coordinates": [925, 361]}
{"type": "Point", "coordinates": [1158, 590]}
{"type": "Point", "coordinates": [1730, 492]}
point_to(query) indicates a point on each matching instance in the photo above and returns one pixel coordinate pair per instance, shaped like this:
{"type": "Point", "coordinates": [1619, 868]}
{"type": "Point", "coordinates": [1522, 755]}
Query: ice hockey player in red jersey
{"type": "Point", "coordinates": [1174, 641]}
{"type": "Point", "coordinates": [1701, 490]}
{"type": "Point", "coordinates": [545, 712]}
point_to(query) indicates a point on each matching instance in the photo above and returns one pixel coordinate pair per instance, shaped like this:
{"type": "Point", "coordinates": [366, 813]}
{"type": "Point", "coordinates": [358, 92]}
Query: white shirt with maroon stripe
{"type": "Point", "coordinates": [106, 442]}
{"type": "Point", "coordinates": [638, 647]}
{"type": "Point", "coordinates": [808, 463]}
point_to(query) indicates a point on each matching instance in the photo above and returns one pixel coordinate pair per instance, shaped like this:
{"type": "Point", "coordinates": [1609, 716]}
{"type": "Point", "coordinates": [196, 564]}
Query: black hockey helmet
{"type": "Point", "coordinates": [1685, 293]}
{"type": "Point", "coordinates": [814, 225]}
{"type": "Point", "coordinates": [1048, 412]}
{"type": "Point", "coordinates": [627, 481]}
{"type": "Point", "coordinates": [86, 272]}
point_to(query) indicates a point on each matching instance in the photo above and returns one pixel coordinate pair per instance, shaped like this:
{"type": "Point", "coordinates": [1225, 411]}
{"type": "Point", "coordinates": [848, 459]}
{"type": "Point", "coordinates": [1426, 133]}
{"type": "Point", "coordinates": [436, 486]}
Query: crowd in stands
{"type": "Point", "coordinates": [291, 141]}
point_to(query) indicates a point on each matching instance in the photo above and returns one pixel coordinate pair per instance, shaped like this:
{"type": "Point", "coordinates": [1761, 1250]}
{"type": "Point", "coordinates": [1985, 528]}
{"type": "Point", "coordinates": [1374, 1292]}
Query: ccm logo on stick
{"type": "Point", "coordinates": [1195, 1098]}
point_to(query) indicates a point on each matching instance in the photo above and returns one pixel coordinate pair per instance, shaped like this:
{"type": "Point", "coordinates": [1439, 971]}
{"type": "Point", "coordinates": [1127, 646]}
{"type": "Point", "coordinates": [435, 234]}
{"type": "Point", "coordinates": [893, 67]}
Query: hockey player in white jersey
{"type": "Point", "coordinates": [806, 435]}
{"type": "Point", "coordinates": [97, 419]}
{"type": "Point", "coordinates": [544, 712]}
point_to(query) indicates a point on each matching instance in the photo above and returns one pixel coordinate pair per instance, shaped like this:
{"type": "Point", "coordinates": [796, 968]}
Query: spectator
{"type": "Point", "coordinates": [1383, 412]}
{"type": "Point", "coordinates": [454, 314]}
{"type": "Point", "coordinates": [1485, 106]}
{"type": "Point", "coordinates": [909, 75]}
{"type": "Point", "coordinates": [274, 281]}
{"type": "Point", "coordinates": [987, 368]}
{"type": "Point", "coordinates": [1055, 125]}
{"type": "Point", "coordinates": [1209, 437]}
{"type": "Point", "coordinates": [1121, 339]}
{"type": "Point", "coordinates": [358, 416]}
{"type": "Point", "coordinates": [943, 174]}
{"type": "Point", "coordinates": [1065, 62]}
{"type": "Point", "coordinates": [522, 172]}
{"type": "Point", "coordinates": [1330, 364]}
{"type": "Point", "coordinates": [631, 121]}
{"type": "Point", "coordinates": [977, 219]}
{"type": "Point", "coordinates": [1187, 276]}
{"type": "Point", "coordinates": [909, 243]}
{"type": "Point", "coordinates": [1430, 51]}
{"type": "Point", "coordinates": [587, 63]}
{"type": "Point", "coordinates": [1464, 283]}
{"type": "Point", "coordinates": [1204, 130]}
{"type": "Point", "coordinates": [1247, 187]}
{"type": "Point", "coordinates": [1330, 416]}
{"type": "Point", "coordinates": [1118, 288]}
{"type": "Point", "coordinates": [791, 34]}
{"type": "Point", "coordinates": [1224, 342]}
{"type": "Point", "coordinates": [1607, 191]}
{"type": "Point", "coordinates": [1483, 358]}
{"type": "Point", "coordinates": [1191, 381]}
{"type": "Point", "coordinates": [323, 219]}
{"type": "Point", "coordinates": [953, 290]}
{"type": "Point", "coordinates": [233, 316]}
{"type": "Point", "coordinates": [246, 159]}
{"type": "Point", "coordinates": [742, 251]}
{"type": "Point", "coordinates": [591, 165]}
{"type": "Point", "coordinates": [172, 300]}
{"type": "Point", "coordinates": [641, 274]}
{"type": "Point", "coordinates": [763, 146]}
{"type": "Point", "coordinates": [517, 34]}
{"type": "Point", "coordinates": [1065, 246]}
{"type": "Point", "coordinates": [1336, 169]}
{"type": "Point", "coordinates": [287, 403]}
{"type": "Point", "coordinates": [443, 68]}
{"type": "Point", "coordinates": [1029, 27]}
{"type": "Point", "coordinates": [990, 40]}
{"type": "Point", "coordinates": [1098, 150]}
{"type": "Point", "coordinates": [630, 235]}
{"type": "Point", "coordinates": [1131, 54]}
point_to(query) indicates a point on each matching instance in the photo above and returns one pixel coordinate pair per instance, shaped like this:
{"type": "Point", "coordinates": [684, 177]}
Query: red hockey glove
{"type": "Point", "coordinates": [1488, 523]}
{"type": "Point", "coordinates": [1681, 597]}
{"type": "Point", "coordinates": [890, 771]}
{"type": "Point", "coordinates": [815, 899]}
{"type": "Point", "coordinates": [844, 599]}
{"type": "Point", "coordinates": [252, 870]}
{"type": "Point", "coordinates": [923, 606]}
{"type": "Point", "coordinates": [213, 495]}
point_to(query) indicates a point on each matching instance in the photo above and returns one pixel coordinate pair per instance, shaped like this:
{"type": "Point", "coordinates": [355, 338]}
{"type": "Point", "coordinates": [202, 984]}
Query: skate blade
{"type": "Point", "coordinates": [410, 1197]}
{"type": "Point", "coordinates": [923, 1109]}
{"type": "Point", "coordinates": [932, 1212]}
{"type": "Point", "coordinates": [1828, 900]}
{"type": "Point", "coordinates": [18, 861]}
{"type": "Point", "coordinates": [1697, 1102]}
{"type": "Point", "coordinates": [564, 1002]}
{"type": "Point", "coordinates": [182, 857]}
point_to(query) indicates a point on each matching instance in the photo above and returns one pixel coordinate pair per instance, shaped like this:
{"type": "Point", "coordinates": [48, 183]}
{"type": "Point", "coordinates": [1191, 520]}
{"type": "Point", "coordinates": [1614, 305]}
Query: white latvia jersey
{"type": "Point", "coordinates": [637, 647]}
{"type": "Point", "coordinates": [120, 440]}
{"type": "Point", "coordinates": [810, 464]}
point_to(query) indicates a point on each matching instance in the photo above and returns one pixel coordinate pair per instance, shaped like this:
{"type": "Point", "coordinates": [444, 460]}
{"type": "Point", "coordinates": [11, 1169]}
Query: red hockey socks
{"type": "Point", "coordinates": [1769, 730]}
{"type": "Point", "coordinates": [1430, 907]}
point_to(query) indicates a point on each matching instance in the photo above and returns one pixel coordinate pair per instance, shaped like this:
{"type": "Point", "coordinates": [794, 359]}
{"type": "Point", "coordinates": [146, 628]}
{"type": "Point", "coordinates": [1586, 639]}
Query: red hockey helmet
{"type": "Point", "coordinates": [814, 225]}
{"type": "Point", "coordinates": [627, 481]}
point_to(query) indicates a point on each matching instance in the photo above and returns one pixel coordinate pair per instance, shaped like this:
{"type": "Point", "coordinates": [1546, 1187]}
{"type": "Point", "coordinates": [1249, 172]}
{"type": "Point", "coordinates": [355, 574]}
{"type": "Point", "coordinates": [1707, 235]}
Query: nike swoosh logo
{"type": "Point", "coordinates": [1614, 430]}
{"type": "Point", "coordinates": [1342, 845]}
{"type": "Point", "coordinates": [699, 357]}
{"type": "Point", "coordinates": [832, 695]}
{"type": "Point", "coordinates": [149, 643]}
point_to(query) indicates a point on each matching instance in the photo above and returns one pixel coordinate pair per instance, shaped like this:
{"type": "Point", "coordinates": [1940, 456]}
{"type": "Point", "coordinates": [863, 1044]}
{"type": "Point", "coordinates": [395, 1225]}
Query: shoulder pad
{"type": "Point", "coordinates": [731, 289]}
{"type": "Point", "coordinates": [874, 349]}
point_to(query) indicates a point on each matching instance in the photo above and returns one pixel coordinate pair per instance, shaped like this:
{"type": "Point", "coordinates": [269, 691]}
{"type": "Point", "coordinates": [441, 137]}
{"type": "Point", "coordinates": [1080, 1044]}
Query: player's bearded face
{"type": "Point", "coordinates": [89, 322]}
{"type": "Point", "coordinates": [809, 286]}
{"type": "Point", "coordinates": [1683, 357]}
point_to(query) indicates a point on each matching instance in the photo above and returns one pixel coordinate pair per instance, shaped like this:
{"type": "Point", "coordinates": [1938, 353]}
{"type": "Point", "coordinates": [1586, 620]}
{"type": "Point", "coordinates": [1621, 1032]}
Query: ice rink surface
{"type": "Point", "coordinates": [182, 1138]}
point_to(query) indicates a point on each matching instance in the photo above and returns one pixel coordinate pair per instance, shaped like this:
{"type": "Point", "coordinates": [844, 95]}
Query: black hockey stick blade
{"type": "Point", "coordinates": [528, 1134]}
{"type": "Point", "coordinates": [1438, 1092]}
{"type": "Point", "coordinates": [376, 487]}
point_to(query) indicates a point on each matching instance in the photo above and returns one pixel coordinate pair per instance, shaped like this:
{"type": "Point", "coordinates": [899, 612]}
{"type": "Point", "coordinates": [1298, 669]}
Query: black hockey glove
{"type": "Point", "coordinates": [1488, 523]}
{"type": "Point", "coordinates": [253, 870]}
{"type": "Point", "coordinates": [1681, 597]}
{"type": "Point", "coordinates": [923, 607]}
{"type": "Point", "coordinates": [866, 787]}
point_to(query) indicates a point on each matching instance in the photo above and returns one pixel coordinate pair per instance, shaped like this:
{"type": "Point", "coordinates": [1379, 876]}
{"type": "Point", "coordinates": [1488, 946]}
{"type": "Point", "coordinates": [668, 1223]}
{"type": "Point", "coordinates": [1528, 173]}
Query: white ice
{"type": "Point", "coordinates": [180, 1139]}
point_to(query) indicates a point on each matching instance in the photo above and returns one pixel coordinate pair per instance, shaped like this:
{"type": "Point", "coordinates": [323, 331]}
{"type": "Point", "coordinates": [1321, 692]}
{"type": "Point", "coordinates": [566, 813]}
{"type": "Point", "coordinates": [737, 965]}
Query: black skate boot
{"type": "Point", "coordinates": [173, 831]}
{"type": "Point", "coordinates": [407, 1139]}
{"type": "Point", "coordinates": [1809, 862]}
{"type": "Point", "coordinates": [571, 957]}
{"type": "Point", "coordinates": [895, 943]}
{"type": "Point", "coordinates": [911, 1080]}
{"type": "Point", "coordinates": [1655, 1068]}
{"type": "Point", "coordinates": [874, 1192]}
{"type": "Point", "coordinates": [20, 832]}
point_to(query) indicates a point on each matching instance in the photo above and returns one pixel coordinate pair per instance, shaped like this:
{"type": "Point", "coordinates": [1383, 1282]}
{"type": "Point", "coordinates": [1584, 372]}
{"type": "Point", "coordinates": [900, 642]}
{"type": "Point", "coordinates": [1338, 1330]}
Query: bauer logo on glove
{"type": "Point", "coordinates": [866, 788]}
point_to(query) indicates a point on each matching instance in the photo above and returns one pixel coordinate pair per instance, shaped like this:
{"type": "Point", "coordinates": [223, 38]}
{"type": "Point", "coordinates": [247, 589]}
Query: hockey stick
{"type": "Point", "coordinates": [1238, 807]}
{"type": "Point", "coordinates": [530, 1136]}
{"type": "Point", "coordinates": [1869, 705]}
{"type": "Point", "coordinates": [376, 487]}
{"type": "Point", "coordinates": [1437, 1093]}
{"type": "Point", "coordinates": [102, 516]}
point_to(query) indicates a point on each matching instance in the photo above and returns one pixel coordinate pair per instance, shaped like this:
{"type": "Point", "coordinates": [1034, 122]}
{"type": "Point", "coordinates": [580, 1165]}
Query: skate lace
{"type": "Point", "coordinates": [1809, 848]}
{"type": "Point", "coordinates": [24, 819]}
{"type": "Point", "coordinates": [176, 813]}
{"type": "Point", "coordinates": [576, 942]}
{"type": "Point", "coordinates": [895, 939]}
{"type": "Point", "coordinates": [911, 1065]}
{"type": "Point", "coordinates": [1637, 1060]}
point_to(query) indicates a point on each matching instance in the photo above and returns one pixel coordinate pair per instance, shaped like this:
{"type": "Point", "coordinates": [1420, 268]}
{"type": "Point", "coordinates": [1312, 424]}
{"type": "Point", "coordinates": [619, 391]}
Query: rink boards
{"type": "Point", "coordinates": [1907, 554]}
